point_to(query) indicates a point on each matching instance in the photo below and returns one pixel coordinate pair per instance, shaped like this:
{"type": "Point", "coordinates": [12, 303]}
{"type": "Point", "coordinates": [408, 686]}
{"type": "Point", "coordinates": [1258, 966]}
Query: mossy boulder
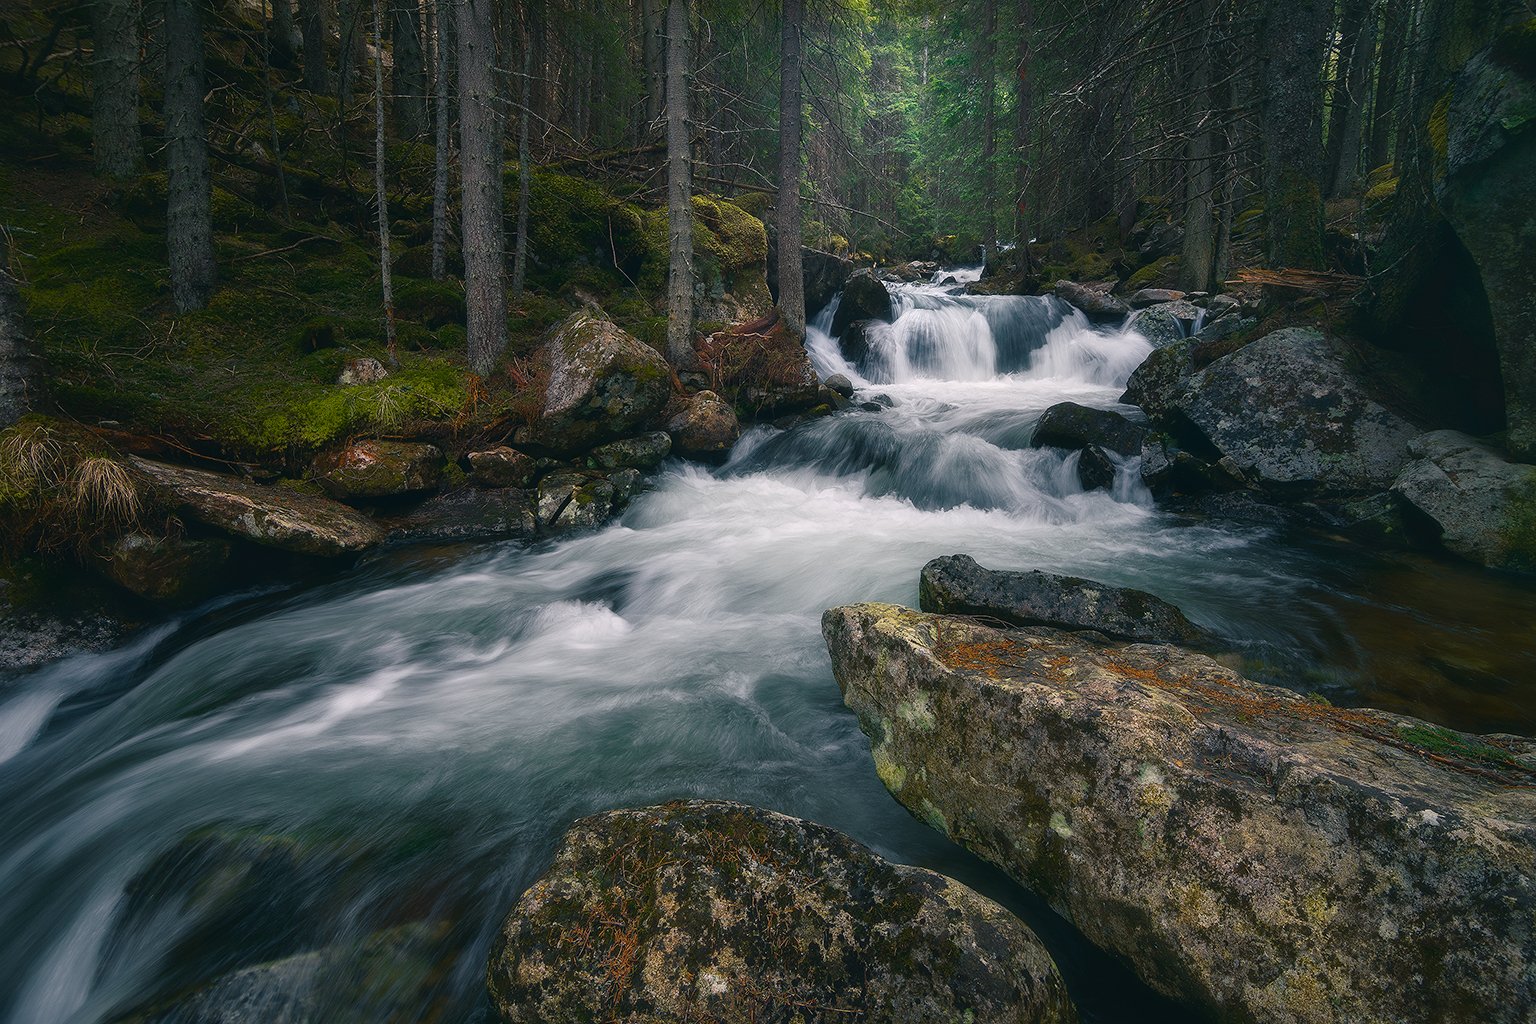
{"type": "Point", "coordinates": [1074, 427]}
{"type": "Point", "coordinates": [367, 470]}
{"type": "Point", "coordinates": [603, 385]}
{"type": "Point", "coordinates": [1165, 323]}
{"type": "Point", "coordinates": [503, 466]}
{"type": "Point", "coordinates": [1482, 505]}
{"type": "Point", "coordinates": [956, 585]}
{"type": "Point", "coordinates": [1261, 854]}
{"type": "Point", "coordinates": [574, 500]}
{"type": "Point", "coordinates": [1160, 273]}
{"type": "Point", "coordinates": [1488, 194]}
{"type": "Point", "coordinates": [723, 912]}
{"type": "Point", "coordinates": [644, 452]}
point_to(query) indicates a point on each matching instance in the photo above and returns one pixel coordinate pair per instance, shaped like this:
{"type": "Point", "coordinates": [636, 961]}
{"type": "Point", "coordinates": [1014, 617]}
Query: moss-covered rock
{"type": "Point", "coordinates": [603, 385]}
{"type": "Point", "coordinates": [171, 569]}
{"type": "Point", "coordinates": [706, 429]}
{"type": "Point", "coordinates": [722, 912]}
{"type": "Point", "coordinates": [1262, 854]}
{"type": "Point", "coordinates": [366, 470]}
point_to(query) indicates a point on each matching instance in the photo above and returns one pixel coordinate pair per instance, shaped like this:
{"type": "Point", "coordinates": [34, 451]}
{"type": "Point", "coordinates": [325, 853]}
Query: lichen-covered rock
{"type": "Point", "coordinates": [1166, 323]}
{"type": "Point", "coordinates": [705, 911]}
{"type": "Point", "coordinates": [865, 297]}
{"type": "Point", "coordinates": [956, 585]}
{"type": "Point", "coordinates": [1145, 297]}
{"type": "Point", "coordinates": [707, 429]}
{"type": "Point", "coordinates": [367, 470]}
{"type": "Point", "coordinates": [1488, 194]}
{"type": "Point", "coordinates": [362, 370]}
{"type": "Point", "coordinates": [1073, 427]}
{"type": "Point", "coordinates": [1159, 381]}
{"type": "Point", "coordinates": [1483, 504]}
{"type": "Point", "coordinates": [503, 466]}
{"type": "Point", "coordinates": [1097, 304]}
{"type": "Point", "coordinates": [644, 452]}
{"type": "Point", "coordinates": [1291, 415]}
{"type": "Point", "coordinates": [570, 501]}
{"type": "Point", "coordinates": [166, 568]}
{"type": "Point", "coordinates": [1267, 855]}
{"type": "Point", "coordinates": [471, 513]}
{"type": "Point", "coordinates": [292, 521]}
{"type": "Point", "coordinates": [603, 385]}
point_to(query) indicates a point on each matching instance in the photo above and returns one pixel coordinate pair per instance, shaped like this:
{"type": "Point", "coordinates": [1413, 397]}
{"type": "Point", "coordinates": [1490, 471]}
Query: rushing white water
{"type": "Point", "coordinates": [428, 725]}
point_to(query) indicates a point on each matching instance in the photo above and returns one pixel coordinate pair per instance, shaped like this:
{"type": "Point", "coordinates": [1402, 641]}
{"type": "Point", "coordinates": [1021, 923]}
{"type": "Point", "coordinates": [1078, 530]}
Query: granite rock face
{"type": "Point", "coordinates": [706, 911]}
{"type": "Point", "coordinates": [1483, 505]}
{"type": "Point", "coordinates": [603, 385]}
{"type": "Point", "coordinates": [1268, 856]}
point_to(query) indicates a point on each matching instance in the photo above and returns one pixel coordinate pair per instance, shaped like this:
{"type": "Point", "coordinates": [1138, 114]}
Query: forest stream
{"type": "Point", "coordinates": [408, 741]}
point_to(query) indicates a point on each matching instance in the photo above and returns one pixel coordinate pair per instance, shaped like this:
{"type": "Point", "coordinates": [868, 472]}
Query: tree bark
{"type": "Point", "coordinates": [1394, 27]}
{"type": "Point", "coordinates": [115, 87]}
{"type": "Point", "coordinates": [679, 189]}
{"type": "Point", "coordinates": [1343, 152]}
{"type": "Point", "coordinates": [1197, 264]}
{"type": "Point", "coordinates": [791, 273]}
{"type": "Point", "coordinates": [1294, 36]}
{"type": "Point", "coordinates": [188, 210]}
{"type": "Point", "coordinates": [988, 74]}
{"type": "Point", "coordinates": [281, 48]}
{"type": "Point", "coordinates": [651, 56]}
{"type": "Point", "coordinates": [353, 51]}
{"type": "Point", "coordinates": [482, 235]}
{"type": "Point", "coordinates": [410, 74]}
{"type": "Point", "coordinates": [524, 171]}
{"type": "Point", "coordinates": [1024, 100]}
{"type": "Point", "coordinates": [442, 42]}
{"type": "Point", "coordinates": [380, 187]}
{"type": "Point", "coordinates": [314, 16]}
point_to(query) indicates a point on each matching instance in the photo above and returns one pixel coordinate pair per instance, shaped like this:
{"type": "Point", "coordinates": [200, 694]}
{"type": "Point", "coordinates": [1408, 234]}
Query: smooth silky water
{"type": "Point", "coordinates": [413, 737]}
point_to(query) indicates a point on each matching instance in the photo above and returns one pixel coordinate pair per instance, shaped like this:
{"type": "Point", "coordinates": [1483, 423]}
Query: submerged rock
{"type": "Point", "coordinates": [705, 911]}
{"type": "Point", "coordinates": [1095, 469]}
{"type": "Point", "coordinates": [707, 429]}
{"type": "Point", "coordinates": [603, 385]}
{"type": "Point", "coordinates": [367, 470]}
{"type": "Point", "coordinates": [1097, 304]}
{"type": "Point", "coordinates": [279, 518]}
{"type": "Point", "coordinates": [865, 297]}
{"type": "Point", "coordinates": [956, 585]}
{"type": "Point", "coordinates": [1072, 426]}
{"type": "Point", "coordinates": [166, 568]}
{"type": "Point", "coordinates": [1263, 854]}
{"type": "Point", "coordinates": [1483, 505]}
{"type": "Point", "coordinates": [839, 384]}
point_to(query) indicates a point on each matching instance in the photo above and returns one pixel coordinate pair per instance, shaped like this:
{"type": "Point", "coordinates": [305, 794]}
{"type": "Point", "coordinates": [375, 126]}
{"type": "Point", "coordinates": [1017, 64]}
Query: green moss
{"type": "Point", "coordinates": [1519, 534]}
{"type": "Point", "coordinates": [1445, 743]}
{"type": "Point", "coordinates": [1163, 273]}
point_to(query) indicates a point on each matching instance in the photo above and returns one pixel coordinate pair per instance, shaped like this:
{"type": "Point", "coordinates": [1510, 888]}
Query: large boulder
{"type": "Point", "coordinates": [20, 379]}
{"type": "Point", "coordinates": [824, 274]}
{"type": "Point", "coordinates": [272, 516]}
{"type": "Point", "coordinates": [1153, 297]}
{"type": "Point", "coordinates": [1488, 194]}
{"type": "Point", "coordinates": [1483, 505]}
{"type": "Point", "coordinates": [706, 429]}
{"type": "Point", "coordinates": [956, 585]}
{"type": "Point", "coordinates": [368, 470]}
{"type": "Point", "coordinates": [603, 385]}
{"type": "Point", "coordinates": [1260, 853]}
{"type": "Point", "coordinates": [865, 297]}
{"type": "Point", "coordinates": [1159, 381]}
{"type": "Point", "coordinates": [644, 452]}
{"type": "Point", "coordinates": [1074, 427]}
{"type": "Point", "coordinates": [705, 911]}
{"type": "Point", "coordinates": [503, 466]}
{"type": "Point", "coordinates": [1288, 411]}
{"type": "Point", "coordinates": [1097, 304]}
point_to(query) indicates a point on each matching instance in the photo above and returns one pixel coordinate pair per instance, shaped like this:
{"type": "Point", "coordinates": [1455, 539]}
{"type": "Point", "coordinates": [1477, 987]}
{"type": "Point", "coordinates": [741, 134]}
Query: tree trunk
{"type": "Point", "coordinates": [442, 41]}
{"type": "Point", "coordinates": [524, 171]}
{"type": "Point", "coordinates": [1394, 27]}
{"type": "Point", "coordinates": [20, 376]}
{"type": "Point", "coordinates": [1024, 99]}
{"type": "Point", "coordinates": [482, 236]}
{"type": "Point", "coordinates": [1294, 37]}
{"type": "Point", "coordinates": [282, 45]}
{"type": "Point", "coordinates": [353, 51]}
{"type": "Point", "coordinates": [380, 188]}
{"type": "Point", "coordinates": [791, 273]}
{"type": "Point", "coordinates": [679, 189]}
{"type": "Point", "coordinates": [1197, 264]}
{"type": "Point", "coordinates": [115, 87]}
{"type": "Point", "coordinates": [1348, 94]}
{"type": "Point", "coordinates": [410, 74]}
{"type": "Point", "coordinates": [988, 74]}
{"type": "Point", "coordinates": [188, 208]}
{"type": "Point", "coordinates": [314, 16]}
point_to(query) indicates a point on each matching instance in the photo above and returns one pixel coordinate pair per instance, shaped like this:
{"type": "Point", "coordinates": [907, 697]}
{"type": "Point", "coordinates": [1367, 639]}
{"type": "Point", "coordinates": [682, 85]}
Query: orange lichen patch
{"type": "Point", "coordinates": [992, 658]}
